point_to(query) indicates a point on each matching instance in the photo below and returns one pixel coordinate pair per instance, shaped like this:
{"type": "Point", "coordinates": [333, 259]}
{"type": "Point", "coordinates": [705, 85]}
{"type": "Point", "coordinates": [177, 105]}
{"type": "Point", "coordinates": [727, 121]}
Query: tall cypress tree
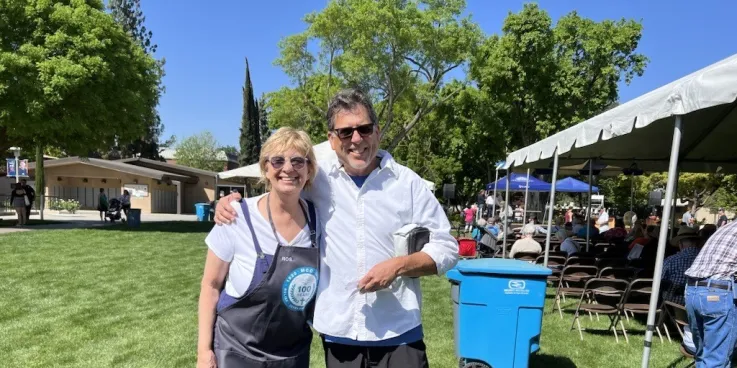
{"type": "Point", "coordinates": [263, 119]}
{"type": "Point", "coordinates": [250, 140]}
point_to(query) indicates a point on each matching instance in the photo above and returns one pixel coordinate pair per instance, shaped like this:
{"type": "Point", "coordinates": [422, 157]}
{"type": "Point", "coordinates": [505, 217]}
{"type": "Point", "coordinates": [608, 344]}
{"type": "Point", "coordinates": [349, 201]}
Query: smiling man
{"type": "Point", "coordinates": [368, 302]}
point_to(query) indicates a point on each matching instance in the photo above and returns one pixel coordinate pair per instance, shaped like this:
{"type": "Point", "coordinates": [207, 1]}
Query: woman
{"type": "Point", "coordinates": [271, 261]}
{"type": "Point", "coordinates": [19, 200]}
{"type": "Point", "coordinates": [125, 203]}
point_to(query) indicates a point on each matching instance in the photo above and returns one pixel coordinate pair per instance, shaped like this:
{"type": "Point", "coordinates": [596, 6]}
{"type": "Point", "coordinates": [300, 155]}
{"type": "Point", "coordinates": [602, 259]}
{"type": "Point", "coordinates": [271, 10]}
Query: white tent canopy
{"type": "Point", "coordinates": [323, 151]}
{"type": "Point", "coordinates": [705, 99]}
{"type": "Point", "coordinates": [688, 125]}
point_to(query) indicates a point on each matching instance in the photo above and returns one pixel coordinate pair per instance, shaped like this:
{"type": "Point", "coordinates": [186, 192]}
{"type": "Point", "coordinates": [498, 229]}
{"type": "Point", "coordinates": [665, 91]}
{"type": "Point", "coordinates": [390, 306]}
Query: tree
{"type": "Point", "coordinates": [698, 189]}
{"type": "Point", "coordinates": [456, 145]}
{"type": "Point", "coordinates": [129, 15]}
{"type": "Point", "coordinates": [399, 51]}
{"type": "Point", "coordinates": [250, 139]}
{"type": "Point", "coordinates": [71, 77]}
{"type": "Point", "coordinates": [199, 151]}
{"type": "Point", "coordinates": [231, 150]}
{"type": "Point", "coordinates": [263, 119]}
{"type": "Point", "coordinates": [546, 78]}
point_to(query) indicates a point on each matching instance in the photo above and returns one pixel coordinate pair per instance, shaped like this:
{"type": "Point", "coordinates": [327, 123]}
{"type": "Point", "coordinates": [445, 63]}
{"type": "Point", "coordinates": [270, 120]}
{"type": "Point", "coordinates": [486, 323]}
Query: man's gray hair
{"type": "Point", "coordinates": [347, 100]}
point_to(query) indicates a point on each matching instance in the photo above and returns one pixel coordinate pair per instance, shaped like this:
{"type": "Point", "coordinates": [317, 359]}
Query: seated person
{"type": "Point", "coordinates": [617, 233]}
{"type": "Point", "coordinates": [577, 225]}
{"type": "Point", "coordinates": [641, 236]}
{"type": "Point", "coordinates": [567, 244]}
{"type": "Point", "coordinates": [593, 233]}
{"type": "Point", "coordinates": [476, 233]}
{"type": "Point", "coordinates": [675, 266]}
{"type": "Point", "coordinates": [492, 226]}
{"type": "Point", "coordinates": [526, 244]}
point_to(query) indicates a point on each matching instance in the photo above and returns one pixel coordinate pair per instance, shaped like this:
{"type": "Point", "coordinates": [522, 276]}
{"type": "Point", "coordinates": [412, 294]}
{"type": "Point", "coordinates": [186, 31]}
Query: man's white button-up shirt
{"type": "Point", "coordinates": [357, 235]}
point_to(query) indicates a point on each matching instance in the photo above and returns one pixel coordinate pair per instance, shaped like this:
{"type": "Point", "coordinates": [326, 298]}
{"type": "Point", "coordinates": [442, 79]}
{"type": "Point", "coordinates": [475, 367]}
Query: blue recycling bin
{"type": "Point", "coordinates": [203, 211]}
{"type": "Point", "coordinates": [134, 217]}
{"type": "Point", "coordinates": [497, 311]}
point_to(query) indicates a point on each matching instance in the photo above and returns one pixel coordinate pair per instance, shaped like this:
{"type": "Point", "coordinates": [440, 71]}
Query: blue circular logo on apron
{"type": "Point", "coordinates": [299, 288]}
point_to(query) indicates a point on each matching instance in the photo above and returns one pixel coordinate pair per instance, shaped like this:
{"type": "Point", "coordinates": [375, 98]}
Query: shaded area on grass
{"type": "Point", "coordinates": [31, 222]}
{"type": "Point", "coordinates": [181, 227]}
{"type": "Point", "coordinates": [544, 360]}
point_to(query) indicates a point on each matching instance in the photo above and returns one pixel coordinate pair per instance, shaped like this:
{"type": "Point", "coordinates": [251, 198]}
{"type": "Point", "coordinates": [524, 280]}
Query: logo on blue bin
{"type": "Point", "coordinates": [516, 287]}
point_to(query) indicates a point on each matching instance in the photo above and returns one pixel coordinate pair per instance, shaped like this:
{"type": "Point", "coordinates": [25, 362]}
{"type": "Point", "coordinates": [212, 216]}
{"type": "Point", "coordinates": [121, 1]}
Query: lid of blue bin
{"type": "Point", "coordinates": [499, 266]}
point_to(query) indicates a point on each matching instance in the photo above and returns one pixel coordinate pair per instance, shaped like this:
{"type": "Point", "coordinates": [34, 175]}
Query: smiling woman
{"type": "Point", "coordinates": [258, 314]}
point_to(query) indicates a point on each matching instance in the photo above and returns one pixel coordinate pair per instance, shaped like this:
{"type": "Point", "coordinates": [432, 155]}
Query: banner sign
{"type": "Point", "coordinates": [20, 171]}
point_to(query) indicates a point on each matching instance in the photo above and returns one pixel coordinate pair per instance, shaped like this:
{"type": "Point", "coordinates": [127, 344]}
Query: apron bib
{"type": "Point", "coordinates": [267, 326]}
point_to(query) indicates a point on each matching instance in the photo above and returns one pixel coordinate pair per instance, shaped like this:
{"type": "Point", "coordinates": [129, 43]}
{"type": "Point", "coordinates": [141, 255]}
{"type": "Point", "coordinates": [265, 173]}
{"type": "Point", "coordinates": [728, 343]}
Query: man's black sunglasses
{"type": "Point", "coordinates": [364, 130]}
{"type": "Point", "coordinates": [298, 163]}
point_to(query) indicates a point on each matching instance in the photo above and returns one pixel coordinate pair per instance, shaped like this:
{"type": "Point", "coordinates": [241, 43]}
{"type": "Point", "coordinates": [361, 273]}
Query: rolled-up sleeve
{"type": "Point", "coordinates": [427, 212]}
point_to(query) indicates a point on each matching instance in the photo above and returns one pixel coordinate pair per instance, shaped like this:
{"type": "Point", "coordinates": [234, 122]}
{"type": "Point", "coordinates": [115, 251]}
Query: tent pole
{"type": "Point", "coordinates": [632, 191]}
{"type": "Point", "coordinates": [669, 194]}
{"type": "Point", "coordinates": [675, 199]}
{"type": "Point", "coordinates": [527, 190]}
{"type": "Point", "coordinates": [588, 208]}
{"type": "Point", "coordinates": [506, 214]}
{"type": "Point", "coordinates": [493, 205]}
{"type": "Point", "coordinates": [551, 203]}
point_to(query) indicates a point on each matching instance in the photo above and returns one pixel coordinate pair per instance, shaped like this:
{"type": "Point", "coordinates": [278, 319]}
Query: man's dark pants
{"type": "Point", "coordinates": [411, 355]}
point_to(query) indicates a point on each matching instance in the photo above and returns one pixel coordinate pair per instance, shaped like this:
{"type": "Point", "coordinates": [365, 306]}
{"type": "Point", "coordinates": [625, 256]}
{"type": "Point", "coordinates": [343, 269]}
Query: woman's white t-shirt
{"type": "Point", "coordinates": [233, 243]}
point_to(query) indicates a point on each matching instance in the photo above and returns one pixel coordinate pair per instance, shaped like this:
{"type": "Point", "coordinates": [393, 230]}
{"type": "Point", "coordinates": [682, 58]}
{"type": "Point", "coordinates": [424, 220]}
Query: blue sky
{"type": "Point", "coordinates": [205, 46]}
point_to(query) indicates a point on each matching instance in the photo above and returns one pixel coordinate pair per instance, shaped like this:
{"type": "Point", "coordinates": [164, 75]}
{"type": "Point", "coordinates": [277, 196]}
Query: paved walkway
{"type": "Point", "coordinates": [84, 219]}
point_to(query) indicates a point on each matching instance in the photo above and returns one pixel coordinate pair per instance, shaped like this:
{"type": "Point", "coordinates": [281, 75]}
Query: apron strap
{"type": "Point", "coordinates": [247, 216]}
{"type": "Point", "coordinates": [311, 221]}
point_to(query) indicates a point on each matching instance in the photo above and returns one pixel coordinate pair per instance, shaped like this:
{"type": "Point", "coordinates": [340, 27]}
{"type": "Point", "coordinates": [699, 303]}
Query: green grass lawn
{"type": "Point", "coordinates": [115, 297]}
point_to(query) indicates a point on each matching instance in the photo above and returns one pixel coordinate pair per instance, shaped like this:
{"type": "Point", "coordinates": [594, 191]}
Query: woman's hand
{"type": "Point", "coordinates": [206, 359]}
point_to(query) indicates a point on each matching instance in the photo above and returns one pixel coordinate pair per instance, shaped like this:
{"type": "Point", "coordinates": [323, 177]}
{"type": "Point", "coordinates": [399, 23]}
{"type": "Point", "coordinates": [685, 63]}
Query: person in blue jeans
{"type": "Point", "coordinates": [710, 299]}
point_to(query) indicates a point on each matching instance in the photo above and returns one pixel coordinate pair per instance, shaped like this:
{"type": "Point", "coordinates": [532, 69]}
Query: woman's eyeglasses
{"type": "Point", "coordinates": [298, 163]}
{"type": "Point", "coordinates": [364, 130]}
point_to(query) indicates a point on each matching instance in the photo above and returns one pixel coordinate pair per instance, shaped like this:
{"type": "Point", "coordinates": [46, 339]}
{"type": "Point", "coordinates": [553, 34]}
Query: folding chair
{"type": "Point", "coordinates": [526, 256]}
{"type": "Point", "coordinates": [611, 262]}
{"type": "Point", "coordinates": [604, 295]}
{"type": "Point", "coordinates": [679, 317]}
{"type": "Point", "coordinates": [576, 276]}
{"type": "Point", "coordinates": [580, 261]}
{"type": "Point", "coordinates": [617, 273]}
{"type": "Point", "coordinates": [637, 301]}
{"type": "Point", "coordinates": [555, 263]}
{"type": "Point", "coordinates": [553, 253]}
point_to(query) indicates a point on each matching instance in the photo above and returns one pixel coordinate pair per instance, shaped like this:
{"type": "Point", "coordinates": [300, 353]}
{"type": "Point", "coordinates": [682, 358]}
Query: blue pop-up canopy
{"type": "Point", "coordinates": [519, 183]}
{"type": "Point", "coordinates": [571, 185]}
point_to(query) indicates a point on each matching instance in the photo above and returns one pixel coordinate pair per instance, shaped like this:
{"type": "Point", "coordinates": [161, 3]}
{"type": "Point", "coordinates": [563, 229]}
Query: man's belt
{"type": "Point", "coordinates": [717, 284]}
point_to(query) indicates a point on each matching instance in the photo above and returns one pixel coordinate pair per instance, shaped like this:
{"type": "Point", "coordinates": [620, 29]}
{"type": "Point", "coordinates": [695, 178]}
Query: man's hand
{"type": "Point", "coordinates": [224, 212]}
{"type": "Point", "coordinates": [380, 276]}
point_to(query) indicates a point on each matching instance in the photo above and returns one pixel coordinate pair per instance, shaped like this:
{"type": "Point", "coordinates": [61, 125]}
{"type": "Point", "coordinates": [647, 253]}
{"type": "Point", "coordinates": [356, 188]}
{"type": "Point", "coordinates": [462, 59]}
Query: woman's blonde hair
{"type": "Point", "coordinates": [282, 141]}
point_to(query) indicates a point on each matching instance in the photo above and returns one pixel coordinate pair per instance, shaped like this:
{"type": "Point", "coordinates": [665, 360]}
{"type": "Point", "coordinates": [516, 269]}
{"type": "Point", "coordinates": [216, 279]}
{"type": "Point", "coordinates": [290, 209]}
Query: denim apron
{"type": "Point", "coordinates": [267, 326]}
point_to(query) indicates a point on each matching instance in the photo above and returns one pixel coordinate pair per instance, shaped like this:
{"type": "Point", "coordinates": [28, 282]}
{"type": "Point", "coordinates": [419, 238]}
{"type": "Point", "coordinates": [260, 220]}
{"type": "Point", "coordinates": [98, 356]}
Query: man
{"type": "Point", "coordinates": [603, 220]}
{"type": "Point", "coordinates": [722, 218]}
{"type": "Point", "coordinates": [31, 197]}
{"type": "Point", "coordinates": [368, 301]}
{"type": "Point", "coordinates": [712, 314]}
{"type": "Point", "coordinates": [675, 266]}
{"type": "Point", "coordinates": [526, 244]}
{"type": "Point", "coordinates": [490, 204]}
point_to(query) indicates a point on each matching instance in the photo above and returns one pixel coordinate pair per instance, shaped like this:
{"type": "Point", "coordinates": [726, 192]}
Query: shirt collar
{"type": "Point", "coordinates": [387, 162]}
